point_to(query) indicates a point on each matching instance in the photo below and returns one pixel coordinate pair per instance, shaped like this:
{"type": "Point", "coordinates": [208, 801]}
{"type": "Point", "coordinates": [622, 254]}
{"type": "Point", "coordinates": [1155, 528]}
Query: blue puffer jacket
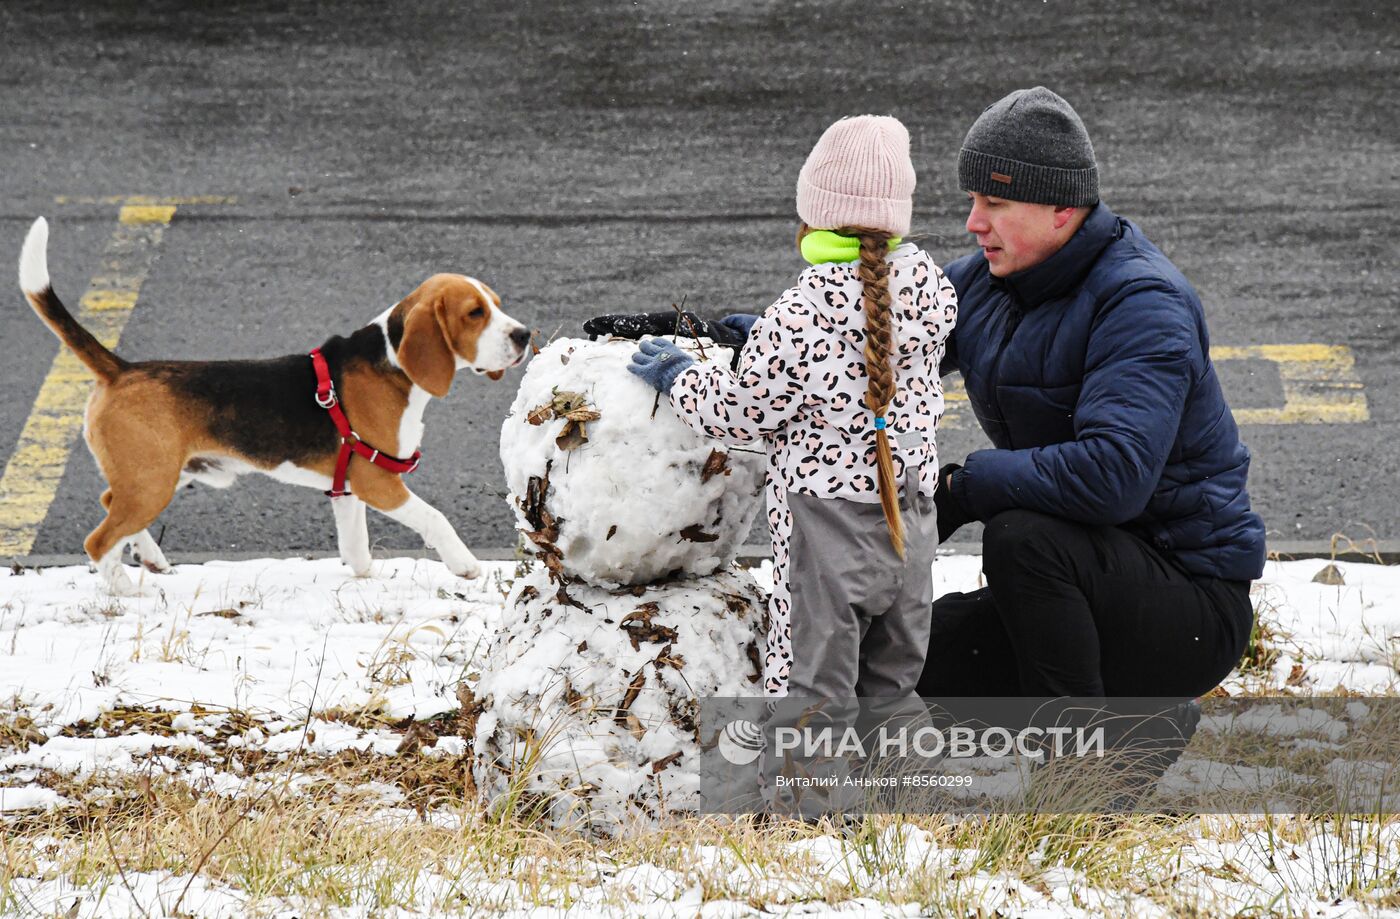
{"type": "Point", "coordinates": [1091, 374]}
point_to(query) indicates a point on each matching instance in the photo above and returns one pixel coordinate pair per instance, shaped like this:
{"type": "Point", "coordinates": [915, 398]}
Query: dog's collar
{"type": "Point", "coordinates": [350, 442]}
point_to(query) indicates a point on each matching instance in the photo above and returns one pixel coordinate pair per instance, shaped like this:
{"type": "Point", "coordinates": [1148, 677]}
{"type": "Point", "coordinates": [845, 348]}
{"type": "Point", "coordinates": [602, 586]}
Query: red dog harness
{"type": "Point", "coordinates": [350, 442]}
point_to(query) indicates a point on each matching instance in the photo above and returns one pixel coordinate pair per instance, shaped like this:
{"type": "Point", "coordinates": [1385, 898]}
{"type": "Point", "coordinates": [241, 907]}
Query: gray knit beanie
{"type": "Point", "coordinates": [1030, 146]}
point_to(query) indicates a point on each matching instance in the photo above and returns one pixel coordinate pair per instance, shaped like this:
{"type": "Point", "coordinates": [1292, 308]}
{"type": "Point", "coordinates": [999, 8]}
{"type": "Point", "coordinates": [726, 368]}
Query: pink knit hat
{"type": "Point", "coordinates": [859, 175]}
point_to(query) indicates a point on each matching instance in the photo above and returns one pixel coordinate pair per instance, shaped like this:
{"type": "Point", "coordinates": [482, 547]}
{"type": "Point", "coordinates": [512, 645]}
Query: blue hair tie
{"type": "Point", "coordinates": [880, 424]}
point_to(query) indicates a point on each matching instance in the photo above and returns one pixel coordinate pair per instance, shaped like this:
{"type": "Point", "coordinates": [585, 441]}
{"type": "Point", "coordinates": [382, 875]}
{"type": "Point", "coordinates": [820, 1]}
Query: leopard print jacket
{"type": "Point", "coordinates": [801, 382]}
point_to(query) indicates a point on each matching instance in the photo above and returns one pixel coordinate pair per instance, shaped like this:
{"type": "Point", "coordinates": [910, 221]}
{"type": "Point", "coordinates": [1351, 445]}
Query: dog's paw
{"type": "Point", "coordinates": [148, 555]}
{"type": "Point", "coordinates": [120, 585]}
{"type": "Point", "coordinates": [360, 569]}
{"type": "Point", "coordinates": [468, 568]}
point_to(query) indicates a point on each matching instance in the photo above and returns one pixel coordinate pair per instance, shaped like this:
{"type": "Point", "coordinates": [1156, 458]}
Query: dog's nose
{"type": "Point", "coordinates": [520, 337]}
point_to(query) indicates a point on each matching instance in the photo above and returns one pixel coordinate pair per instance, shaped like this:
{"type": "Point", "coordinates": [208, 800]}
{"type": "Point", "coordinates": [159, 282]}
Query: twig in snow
{"type": "Point", "coordinates": [675, 333]}
{"type": "Point", "coordinates": [680, 311]}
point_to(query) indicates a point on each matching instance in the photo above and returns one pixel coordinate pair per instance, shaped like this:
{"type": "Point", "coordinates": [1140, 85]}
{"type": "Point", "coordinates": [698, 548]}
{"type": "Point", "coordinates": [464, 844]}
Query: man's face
{"type": "Point", "coordinates": [1015, 235]}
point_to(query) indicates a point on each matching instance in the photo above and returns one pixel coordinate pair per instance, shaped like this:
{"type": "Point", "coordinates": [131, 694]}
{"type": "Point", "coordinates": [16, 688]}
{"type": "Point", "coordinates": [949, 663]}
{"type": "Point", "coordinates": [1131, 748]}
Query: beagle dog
{"type": "Point", "coordinates": [156, 425]}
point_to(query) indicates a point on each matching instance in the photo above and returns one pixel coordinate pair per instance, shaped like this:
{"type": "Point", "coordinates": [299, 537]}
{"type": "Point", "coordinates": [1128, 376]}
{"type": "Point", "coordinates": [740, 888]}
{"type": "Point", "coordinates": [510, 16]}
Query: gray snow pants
{"type": "Point", "coordinates": [860, 615]}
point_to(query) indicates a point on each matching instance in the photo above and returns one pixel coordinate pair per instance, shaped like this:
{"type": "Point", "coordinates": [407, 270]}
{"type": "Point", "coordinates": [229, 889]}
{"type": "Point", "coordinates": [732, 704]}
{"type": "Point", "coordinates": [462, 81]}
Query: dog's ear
{"type": "Point", "coordinates": [423, 351]}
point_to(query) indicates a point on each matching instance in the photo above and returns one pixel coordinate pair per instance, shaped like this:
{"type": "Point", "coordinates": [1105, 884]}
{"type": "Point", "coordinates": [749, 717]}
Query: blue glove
{"type": "Point", "coordinates": [659, 363]}
{"type": "Point", "coordinates": [740, 323]}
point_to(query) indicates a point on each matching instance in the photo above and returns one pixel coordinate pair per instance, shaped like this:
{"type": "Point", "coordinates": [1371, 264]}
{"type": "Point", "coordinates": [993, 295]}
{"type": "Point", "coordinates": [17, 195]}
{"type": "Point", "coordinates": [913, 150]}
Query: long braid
{"type": "Point", "coordinates": [875, 298]}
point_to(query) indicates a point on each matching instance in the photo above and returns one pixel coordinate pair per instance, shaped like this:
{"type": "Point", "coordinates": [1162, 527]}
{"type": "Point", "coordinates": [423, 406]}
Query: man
{"type": "Point", "coordinates": [1119, 542]}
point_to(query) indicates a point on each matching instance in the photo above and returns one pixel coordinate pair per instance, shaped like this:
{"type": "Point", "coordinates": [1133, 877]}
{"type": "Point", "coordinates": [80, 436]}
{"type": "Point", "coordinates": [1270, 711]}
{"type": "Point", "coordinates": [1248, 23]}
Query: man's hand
{"type": "Point", "coordinates": [659, 362]}
{"type": "Point", "coordinates": [951, 514]}
{"type": "Point", "coordinates": [738, 323]}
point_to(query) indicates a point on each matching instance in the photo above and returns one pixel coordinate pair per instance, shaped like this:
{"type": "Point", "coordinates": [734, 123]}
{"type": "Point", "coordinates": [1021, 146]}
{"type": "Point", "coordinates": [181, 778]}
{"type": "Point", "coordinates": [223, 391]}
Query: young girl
{"type": "Point", "coordinates": [839, 378]}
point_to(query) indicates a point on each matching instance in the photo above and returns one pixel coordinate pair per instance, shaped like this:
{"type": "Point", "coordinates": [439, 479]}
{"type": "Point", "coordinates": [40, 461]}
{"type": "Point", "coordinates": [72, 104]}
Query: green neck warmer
{"type": "Point", "coordinates": [821, 246]}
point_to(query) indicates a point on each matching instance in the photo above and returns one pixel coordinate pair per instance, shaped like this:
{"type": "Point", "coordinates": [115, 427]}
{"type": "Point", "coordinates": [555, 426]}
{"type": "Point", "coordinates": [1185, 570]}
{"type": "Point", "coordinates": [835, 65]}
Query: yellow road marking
{"type": "Point", "coordinates": [137, 214]}
{"type": "Point", "coordinates": [35, 468]}
{"type": "Point", "coordinates": [1320, 386]}
{"type": "Point", "coordinates": [108, 299]}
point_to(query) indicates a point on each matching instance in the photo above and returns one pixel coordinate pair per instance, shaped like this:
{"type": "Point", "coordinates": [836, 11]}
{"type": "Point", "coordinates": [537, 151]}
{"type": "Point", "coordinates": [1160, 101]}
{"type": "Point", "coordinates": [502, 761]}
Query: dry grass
{"type": "Point", "coordinates": [378, 832]}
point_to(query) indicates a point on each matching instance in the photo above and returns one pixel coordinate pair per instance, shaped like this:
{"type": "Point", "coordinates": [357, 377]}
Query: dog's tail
{"type": "Point", "coordinates": [34, 281]}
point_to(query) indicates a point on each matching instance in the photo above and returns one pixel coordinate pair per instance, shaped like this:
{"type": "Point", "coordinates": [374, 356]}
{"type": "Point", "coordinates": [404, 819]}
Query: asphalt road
{"type": "Point", "coordinates": [594, 157]}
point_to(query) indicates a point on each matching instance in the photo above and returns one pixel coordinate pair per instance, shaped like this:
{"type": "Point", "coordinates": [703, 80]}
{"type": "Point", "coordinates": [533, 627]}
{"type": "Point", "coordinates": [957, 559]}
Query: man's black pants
{"type": "Point", "coordinates": [1078, 610]}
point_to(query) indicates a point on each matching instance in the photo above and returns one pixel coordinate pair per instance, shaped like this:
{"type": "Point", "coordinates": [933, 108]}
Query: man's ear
{"type": "Point", "coordinates": [1064, 215]}
{"type": "Point", "coordinates": [423, 351]}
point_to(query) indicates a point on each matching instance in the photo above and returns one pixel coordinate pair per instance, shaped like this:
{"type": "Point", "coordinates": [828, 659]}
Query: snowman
{"type": "Point", "coordinates": [587, 707]}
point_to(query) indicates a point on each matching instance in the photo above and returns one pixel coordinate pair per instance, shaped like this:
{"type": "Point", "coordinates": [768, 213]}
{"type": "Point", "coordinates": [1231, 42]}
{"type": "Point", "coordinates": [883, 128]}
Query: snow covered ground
{"type": "Point", "coordinates": [229, 668]}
